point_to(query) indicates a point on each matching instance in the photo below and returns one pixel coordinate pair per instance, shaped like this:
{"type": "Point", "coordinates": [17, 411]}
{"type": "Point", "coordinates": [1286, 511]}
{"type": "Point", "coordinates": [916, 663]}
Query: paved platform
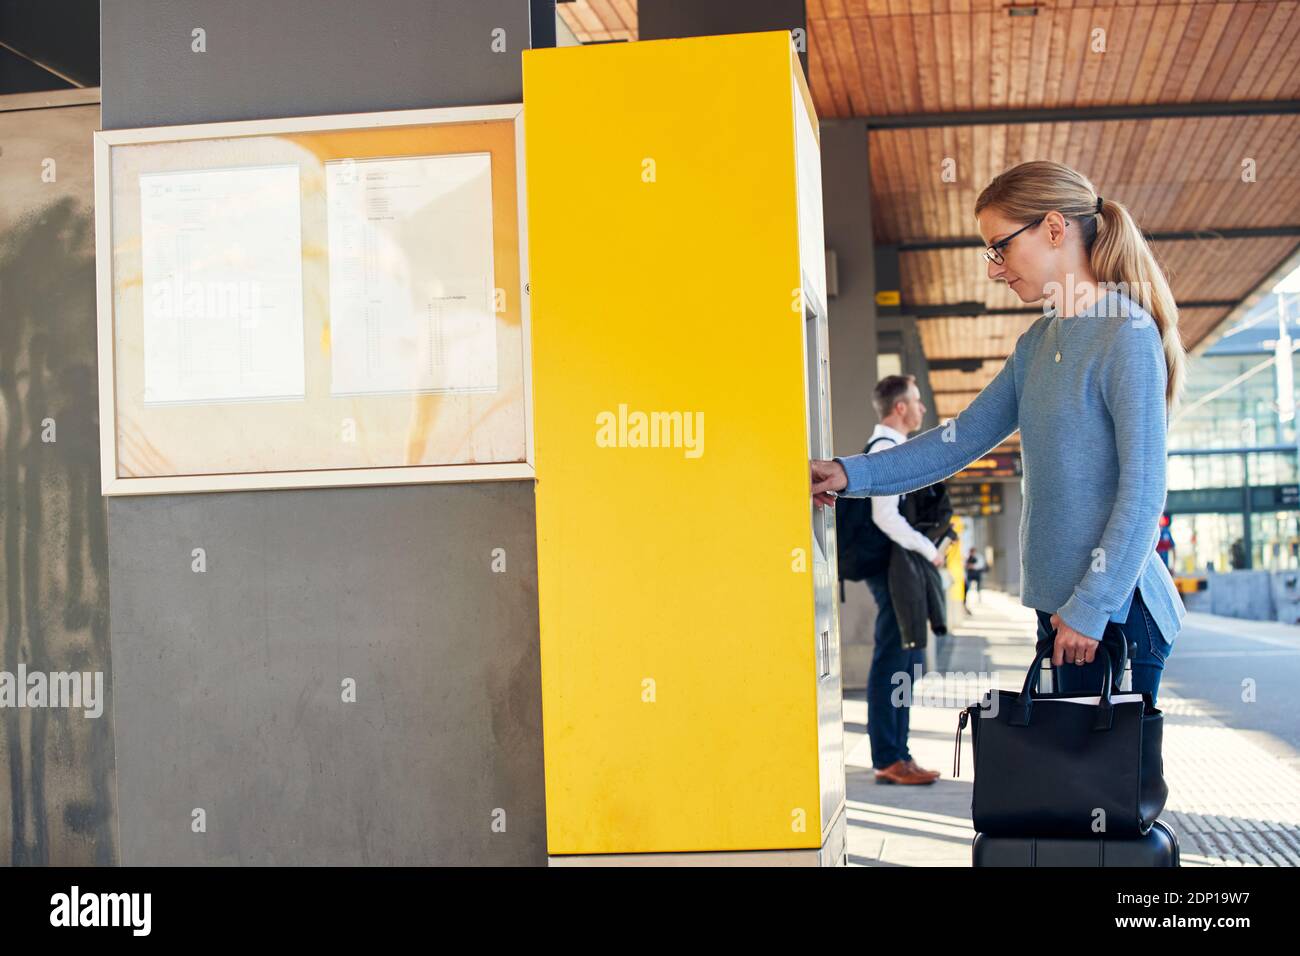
{"type": "Point", "coordinates": [1234, 798]}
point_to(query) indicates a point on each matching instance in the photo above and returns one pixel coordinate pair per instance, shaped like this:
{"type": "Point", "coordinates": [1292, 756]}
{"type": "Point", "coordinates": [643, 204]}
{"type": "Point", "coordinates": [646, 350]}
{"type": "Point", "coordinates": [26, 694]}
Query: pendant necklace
{"type": "Point", "coordinates": [1058, 336]}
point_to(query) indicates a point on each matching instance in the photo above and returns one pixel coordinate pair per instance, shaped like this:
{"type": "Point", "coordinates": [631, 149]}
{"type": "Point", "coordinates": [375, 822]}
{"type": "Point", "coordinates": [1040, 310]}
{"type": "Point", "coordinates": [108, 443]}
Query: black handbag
{"type": "Point", "coordinates": [1055, 765]}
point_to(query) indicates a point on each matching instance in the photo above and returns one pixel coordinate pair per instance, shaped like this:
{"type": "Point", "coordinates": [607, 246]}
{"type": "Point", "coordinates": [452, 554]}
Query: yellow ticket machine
{"type": "Point", "coordinates": [690, 644]}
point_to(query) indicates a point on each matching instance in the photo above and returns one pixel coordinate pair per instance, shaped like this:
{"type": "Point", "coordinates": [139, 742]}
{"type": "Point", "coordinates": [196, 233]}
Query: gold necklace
{"type": "Point", "coordinates": [1058, 336]}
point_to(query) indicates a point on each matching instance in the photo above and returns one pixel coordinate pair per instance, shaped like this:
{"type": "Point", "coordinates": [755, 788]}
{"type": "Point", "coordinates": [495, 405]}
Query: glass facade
{"type": "Point", "coordinates": [1224, 496]}
{"type": "Point", "coordinates": [1202, 542]}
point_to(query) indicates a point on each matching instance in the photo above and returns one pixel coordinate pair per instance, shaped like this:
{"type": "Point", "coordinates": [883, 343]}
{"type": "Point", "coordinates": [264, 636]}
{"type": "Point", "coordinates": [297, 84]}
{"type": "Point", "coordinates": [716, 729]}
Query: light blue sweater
{"type": "Point", "coordinates": [1092, 437]}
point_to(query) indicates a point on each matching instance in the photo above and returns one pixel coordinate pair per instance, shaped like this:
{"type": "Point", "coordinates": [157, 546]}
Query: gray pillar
{"type": "Point", "coordinates": [852, 318]}
{"type": "Point", "coordinates": [852, 312]}
{"type": "Point", "coordinates": [1004, 535]}
{"type": "Point", "coordinates": [665, 19]}
{"type": "Point", "coordinates": [228, 691]}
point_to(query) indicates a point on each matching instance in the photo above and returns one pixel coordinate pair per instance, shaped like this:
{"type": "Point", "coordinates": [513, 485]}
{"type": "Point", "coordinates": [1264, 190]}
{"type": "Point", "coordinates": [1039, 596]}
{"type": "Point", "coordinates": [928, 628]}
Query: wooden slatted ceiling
{"type": "Point", "coordinates": [1198, 270]}
{"type": "Point", "coordinates": [1195, 324]}
{"type": "Point", "coordinates": [593, 21]}
{"type": "Point", "coordinates": [882, 57]}
{"type": "Point", "coordinates": [955, 380]}
{"type": "Point", "coordinates": [897, 57]}
{"type": "Point", "coordinates": [993, 337]}
{"type": "Point", "coordinates": [980, 336]}
{"type": "Point", "coordinates": [950, 404]}
{"type": "Point", "coordinates": [1172, 174]}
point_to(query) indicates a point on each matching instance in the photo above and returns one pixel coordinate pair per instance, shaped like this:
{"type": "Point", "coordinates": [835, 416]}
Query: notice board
{"type": "Point", "coordinates": [315, 301]}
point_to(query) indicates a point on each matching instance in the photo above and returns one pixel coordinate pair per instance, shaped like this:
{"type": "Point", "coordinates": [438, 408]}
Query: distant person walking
{"type": "Point", "coordinates": [1089, 385]}
{"type": "Point", "coordinates": [975, 567]}
{"type": "Point", "coordinates": [1165, 544]}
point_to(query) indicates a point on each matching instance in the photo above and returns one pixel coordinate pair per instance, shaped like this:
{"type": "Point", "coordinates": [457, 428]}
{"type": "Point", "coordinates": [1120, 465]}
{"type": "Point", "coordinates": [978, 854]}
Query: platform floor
{"type": "Point", "coordinates": [1232, 753]}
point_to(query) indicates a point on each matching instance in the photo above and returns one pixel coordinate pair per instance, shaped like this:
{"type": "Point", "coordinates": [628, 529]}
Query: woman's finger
{"type": "Point", "coordinates": [1073, 652]}
{"type": "Point", "coordinates": [1058, 650]}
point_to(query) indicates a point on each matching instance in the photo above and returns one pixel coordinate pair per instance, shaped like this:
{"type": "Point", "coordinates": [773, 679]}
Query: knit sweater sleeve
{"type": "Point", "coordinates": [1133, 389]}
{"type": "Point", "coordinates": [943, 450]}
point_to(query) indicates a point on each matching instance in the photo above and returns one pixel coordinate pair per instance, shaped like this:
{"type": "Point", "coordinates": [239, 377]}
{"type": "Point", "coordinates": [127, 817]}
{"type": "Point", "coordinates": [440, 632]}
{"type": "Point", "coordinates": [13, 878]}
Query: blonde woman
{"type": "Point", "coordinates": [1089, 386]}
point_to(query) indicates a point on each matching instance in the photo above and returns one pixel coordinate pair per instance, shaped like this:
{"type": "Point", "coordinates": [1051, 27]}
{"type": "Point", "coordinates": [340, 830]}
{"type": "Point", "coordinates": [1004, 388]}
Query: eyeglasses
{"type": "Point", "coordinates": [994, 252]}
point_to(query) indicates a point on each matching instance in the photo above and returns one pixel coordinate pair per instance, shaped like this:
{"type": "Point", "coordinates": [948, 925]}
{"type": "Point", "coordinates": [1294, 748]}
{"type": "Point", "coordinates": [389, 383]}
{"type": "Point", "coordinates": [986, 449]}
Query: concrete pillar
{"type": "Point", "coordinates": [846, 205]}
{"type": "Point", "coordinates": [227, 689]}
{"type": "Point", "coordinates": [853, 325]}
{"type": "Point", "coordinates": [665, 19]}
{"type": "Point", "coordinates": [1004, 535]}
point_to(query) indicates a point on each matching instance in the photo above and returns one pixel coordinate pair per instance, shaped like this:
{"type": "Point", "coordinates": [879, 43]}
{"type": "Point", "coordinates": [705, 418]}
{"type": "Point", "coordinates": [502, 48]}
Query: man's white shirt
{"type": "Point", "coordinates": [884, 510]}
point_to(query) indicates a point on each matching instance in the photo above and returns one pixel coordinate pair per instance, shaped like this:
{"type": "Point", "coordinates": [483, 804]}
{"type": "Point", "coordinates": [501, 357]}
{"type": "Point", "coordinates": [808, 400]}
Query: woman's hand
{"type": "Point", "coordinates": [1071, 647]}
{"type": "Point", "coordinates": [827, 476]}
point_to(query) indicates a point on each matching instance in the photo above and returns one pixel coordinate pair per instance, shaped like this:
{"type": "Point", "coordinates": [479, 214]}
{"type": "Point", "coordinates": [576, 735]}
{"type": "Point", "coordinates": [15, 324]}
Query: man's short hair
{"type": "Point", "coordinates": [890, 390]}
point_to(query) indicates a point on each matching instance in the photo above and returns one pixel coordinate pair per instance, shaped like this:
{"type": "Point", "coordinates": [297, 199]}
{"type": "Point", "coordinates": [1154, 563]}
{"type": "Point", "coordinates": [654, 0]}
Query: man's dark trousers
{"type": "Point", "coordinates": [886, 721]}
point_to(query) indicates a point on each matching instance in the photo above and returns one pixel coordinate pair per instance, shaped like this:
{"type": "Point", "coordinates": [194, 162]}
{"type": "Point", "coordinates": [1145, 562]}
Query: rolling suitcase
{"type": "Point", "coordinates": [1158, 848]}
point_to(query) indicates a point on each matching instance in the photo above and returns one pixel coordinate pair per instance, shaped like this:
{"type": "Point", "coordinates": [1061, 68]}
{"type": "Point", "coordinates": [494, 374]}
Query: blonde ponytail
{"type": "Point", "coordinates": [1118, 252]}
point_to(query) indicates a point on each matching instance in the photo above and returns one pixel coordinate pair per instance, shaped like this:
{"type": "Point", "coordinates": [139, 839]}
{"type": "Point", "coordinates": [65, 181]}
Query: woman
{"type": "Point", "coordinates": [1090, 386]}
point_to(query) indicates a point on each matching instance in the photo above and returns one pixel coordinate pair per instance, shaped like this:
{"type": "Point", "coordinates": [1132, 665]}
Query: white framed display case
{"type": "Point", "coordinates": [314, 302]}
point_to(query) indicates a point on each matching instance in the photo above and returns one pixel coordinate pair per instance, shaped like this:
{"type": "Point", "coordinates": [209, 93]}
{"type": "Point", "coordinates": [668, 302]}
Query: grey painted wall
{"type": "Point", "coordinates": [229, 682]}
{"type": "Point", "coordinates": [56, 792]}
{"type": "Point", "coordinates": [268, 58]}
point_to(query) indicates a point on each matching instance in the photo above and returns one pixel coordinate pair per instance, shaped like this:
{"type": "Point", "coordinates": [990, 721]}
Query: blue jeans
{"type": "Point", "coordinates": [887, 722]}
{"type": "Point", "coordinates": [1148, 661]}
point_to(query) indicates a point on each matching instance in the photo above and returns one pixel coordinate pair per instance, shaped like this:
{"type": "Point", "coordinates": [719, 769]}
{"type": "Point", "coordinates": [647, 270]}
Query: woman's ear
{"type": "Point", "coordinates": [1055, 224]}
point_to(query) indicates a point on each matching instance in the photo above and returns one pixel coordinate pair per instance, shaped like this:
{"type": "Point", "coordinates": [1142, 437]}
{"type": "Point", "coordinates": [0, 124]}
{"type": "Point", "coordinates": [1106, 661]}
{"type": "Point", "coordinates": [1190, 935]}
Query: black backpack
{"type": "Point", "coordinates": [863, 549]}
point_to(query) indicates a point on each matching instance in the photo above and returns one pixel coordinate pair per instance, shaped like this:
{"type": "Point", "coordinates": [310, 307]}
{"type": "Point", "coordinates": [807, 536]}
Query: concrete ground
{"type": "Point", "coordinates": [1231, 727]}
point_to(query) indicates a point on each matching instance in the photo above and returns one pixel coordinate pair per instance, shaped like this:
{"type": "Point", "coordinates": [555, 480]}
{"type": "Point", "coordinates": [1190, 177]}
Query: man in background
{"type": "Point", "coordinates": [898, 403]}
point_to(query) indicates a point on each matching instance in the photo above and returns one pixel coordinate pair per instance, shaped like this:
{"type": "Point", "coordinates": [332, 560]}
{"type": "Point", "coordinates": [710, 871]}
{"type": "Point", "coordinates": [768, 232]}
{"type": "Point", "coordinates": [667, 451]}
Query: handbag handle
{"type": "Point", "coordinates": [1024, 703]}
{"type": "Point", "coordinates": [1124, 653]}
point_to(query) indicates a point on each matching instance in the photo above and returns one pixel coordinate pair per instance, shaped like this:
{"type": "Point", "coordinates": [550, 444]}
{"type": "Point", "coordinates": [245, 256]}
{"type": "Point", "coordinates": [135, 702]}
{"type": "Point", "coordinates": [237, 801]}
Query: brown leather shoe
{"type": "Point", "coordinates": [917, 768]}
{"type": "Point", "coordinates": [900, 772]}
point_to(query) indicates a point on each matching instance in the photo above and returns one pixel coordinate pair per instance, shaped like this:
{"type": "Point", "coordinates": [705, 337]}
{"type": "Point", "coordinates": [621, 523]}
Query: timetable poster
{"type": "Point", "coordinates": [221, 266]}
{"type": "Point", "coordinates": [412, 298]}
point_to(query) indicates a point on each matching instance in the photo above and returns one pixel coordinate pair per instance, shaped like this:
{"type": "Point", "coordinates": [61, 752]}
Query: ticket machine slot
{"type": "Point", "coordinates": [817, 380]}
